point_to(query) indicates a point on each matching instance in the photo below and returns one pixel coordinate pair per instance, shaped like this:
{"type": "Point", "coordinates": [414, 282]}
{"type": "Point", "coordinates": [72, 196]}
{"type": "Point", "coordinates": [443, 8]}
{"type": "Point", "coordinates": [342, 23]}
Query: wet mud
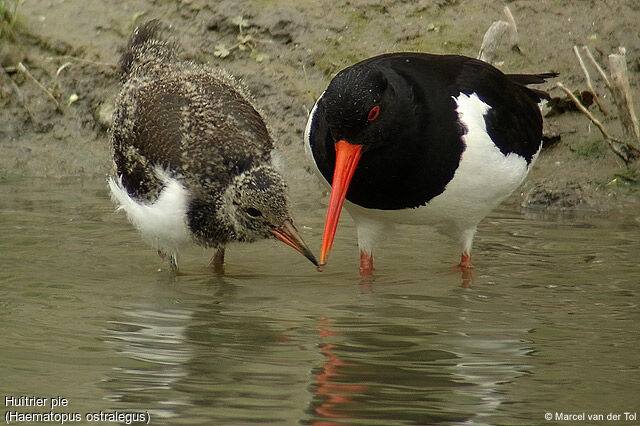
{"type": "Point", "coordinates": [286, 52]}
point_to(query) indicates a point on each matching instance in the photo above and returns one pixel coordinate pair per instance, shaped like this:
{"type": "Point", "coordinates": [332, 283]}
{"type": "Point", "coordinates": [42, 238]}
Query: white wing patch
{"type": "Point", "coordinates": [483, 179]}
{"type": "Point", "coordinates": [162, 223]}
{"type": "Point", "coordinates": [484, 172]}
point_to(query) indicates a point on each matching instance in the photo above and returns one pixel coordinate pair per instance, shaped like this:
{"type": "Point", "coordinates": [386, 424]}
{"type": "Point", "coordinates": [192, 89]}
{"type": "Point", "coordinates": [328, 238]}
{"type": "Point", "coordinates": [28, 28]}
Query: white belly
{"type": "Point", "coordinates": [483, 179]}
{"type": "Point", "coordinates": [162, 223]}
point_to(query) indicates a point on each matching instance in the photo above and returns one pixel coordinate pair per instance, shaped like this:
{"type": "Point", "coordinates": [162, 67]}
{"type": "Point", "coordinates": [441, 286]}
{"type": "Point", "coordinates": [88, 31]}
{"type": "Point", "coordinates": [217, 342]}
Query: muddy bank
{"type": "Point", "coordinates": [286, 51]}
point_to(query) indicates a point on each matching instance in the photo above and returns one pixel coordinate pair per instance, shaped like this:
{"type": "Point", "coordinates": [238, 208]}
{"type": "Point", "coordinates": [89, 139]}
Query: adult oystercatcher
{"type": "Point", "coordinates": [422, 139]}
{"type": "Point", "coordinates": [194, 159]}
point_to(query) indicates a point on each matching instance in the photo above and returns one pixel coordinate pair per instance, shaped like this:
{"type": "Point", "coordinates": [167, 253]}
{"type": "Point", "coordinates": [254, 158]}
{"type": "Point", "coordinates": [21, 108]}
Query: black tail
{"type": "Point", "coordinates": [148, 47]}
{"type": "Point", "coordinates": [524, 79]}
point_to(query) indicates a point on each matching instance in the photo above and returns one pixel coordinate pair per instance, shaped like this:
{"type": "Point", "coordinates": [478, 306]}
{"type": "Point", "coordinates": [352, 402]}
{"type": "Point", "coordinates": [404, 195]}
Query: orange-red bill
{"type": "Point", "coordinates": [289, 235]}
{"type": "Point", "coordinates": [347, 157]}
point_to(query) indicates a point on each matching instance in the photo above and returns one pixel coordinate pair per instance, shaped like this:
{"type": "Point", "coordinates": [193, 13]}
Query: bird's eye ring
{"type": "Point", "coordinates": [253, 212]}
{"type": "Point", "coordinates": [373, 114]}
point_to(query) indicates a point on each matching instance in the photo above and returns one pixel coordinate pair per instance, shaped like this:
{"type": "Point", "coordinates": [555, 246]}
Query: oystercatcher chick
{"type": "Point", "coordinates": [194, 159]}
{"type": "Point", "coordinates": [422, 139]}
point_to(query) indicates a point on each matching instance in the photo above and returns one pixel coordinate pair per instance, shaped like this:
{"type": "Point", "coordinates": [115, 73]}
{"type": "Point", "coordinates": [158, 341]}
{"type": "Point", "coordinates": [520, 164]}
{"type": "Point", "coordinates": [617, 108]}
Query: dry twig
{"type": "Point", "coordinates": [623, 150]}
{"type": "Point", "coordinates": [86, 61]}
{"type": "Point", "coordinates": [498, 34]}
{"type": "Point", "coordinates": [587, 78]}
{"type": "Point", "coordinates": [621, 91]}
{"type": "Point", "coordinates": [26, 72]}
{"type": "Point", "coordinates": [622, 96]}
{"type": "Point", "coordinates": [598, 67]}
{"type": "Point", "coordinates": [512, 23]}
{"type": "Point", "coordinates": [583, 109]}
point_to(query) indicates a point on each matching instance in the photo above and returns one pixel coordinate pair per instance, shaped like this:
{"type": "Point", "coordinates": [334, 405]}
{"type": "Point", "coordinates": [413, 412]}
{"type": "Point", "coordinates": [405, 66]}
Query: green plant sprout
{"type": "Point", "coordinates": [8, 9]}
{"type": "Point", "coordinates": [245, 42]}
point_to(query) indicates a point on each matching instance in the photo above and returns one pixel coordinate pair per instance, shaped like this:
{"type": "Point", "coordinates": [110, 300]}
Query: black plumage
{"type": "Point", "coordinates": [423, 139]}
{"type": "Point", "coordinates": [416, 93]}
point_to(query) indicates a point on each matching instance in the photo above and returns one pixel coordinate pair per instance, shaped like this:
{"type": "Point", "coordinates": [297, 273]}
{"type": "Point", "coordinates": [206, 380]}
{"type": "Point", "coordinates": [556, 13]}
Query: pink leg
{"type": "Point", "coordinates": [467, 277]}
{"type": "Point", "coordinates": [366, 264]}
{"type": "Point", "coordinates": [465, 261]}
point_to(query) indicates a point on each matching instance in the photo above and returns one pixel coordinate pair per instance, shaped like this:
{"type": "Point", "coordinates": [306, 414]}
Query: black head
{"type": "Point", "coordinates": [361, 106]}
{"type": "Point", "coordinates": [371, 126]}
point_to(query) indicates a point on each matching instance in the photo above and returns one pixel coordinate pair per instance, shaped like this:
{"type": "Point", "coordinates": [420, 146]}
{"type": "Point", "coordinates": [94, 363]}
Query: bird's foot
{"type": "Point", "coordinates": [173, 264]}
{"type": "Point", "coordinates": [467, 277]}
{"type": "Point", "coordinates": [172, 258]}
{"type": "Point", "coordinates": [366, 264]}
{"type": "Point", "coordinates": [467, 270]}
{"type": "Point", "coordinates": [465, 261]}
{"type": "Point", "coordinates": [217, 261]}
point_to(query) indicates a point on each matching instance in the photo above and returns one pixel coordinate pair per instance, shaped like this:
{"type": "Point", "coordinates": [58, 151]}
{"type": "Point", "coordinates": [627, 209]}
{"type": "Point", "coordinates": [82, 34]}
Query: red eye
{"type": "Point", "coordinates": [374, 113]}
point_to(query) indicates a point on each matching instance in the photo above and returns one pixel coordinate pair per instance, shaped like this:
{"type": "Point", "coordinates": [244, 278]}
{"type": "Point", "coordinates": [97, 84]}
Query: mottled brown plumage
{"type": "Point", "coordinates": [177, 122]}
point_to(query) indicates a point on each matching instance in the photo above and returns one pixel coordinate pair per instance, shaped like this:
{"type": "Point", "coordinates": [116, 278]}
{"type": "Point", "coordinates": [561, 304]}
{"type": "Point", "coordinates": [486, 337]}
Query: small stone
{"type": "Point", "coordinates": [104, 114]}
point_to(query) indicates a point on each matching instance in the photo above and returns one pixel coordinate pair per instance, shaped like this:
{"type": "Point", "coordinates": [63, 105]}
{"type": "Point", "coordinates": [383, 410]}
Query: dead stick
{"type": "Point", "coordinates": [86, 61]}
{"type": "Point", "coordinates": [584, 110]}
{"type": "Point", "coordinates": [26, 72]}
{"type": "Point", "coordinates": [587, 78]}
{"type": "Point", "coordinates": [599, 68]}
{"type": "Point", "coordinates": [499, 33]}
{"type": "Point", "coordinates": [622, 96]}
{"type": "Point", "coordinates": [510, 18]}
{"type": "Point", "coordinates": [624, 151]}
{"type": "Point", "coordinates": [514, 35]}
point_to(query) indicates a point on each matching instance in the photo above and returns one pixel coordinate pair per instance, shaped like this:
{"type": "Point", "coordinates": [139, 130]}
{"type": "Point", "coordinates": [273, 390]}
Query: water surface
{"type": "Point", "coordinates": [90, 313]}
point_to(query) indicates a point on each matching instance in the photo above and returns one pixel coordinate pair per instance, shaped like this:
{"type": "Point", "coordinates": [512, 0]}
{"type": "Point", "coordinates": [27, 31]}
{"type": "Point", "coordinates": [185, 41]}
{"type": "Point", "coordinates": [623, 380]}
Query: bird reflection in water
{"type": "Point", "coordinates": [336, 396]}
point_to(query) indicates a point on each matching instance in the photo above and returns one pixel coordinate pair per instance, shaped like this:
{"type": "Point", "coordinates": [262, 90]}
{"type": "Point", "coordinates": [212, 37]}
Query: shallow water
{"type": "Point", "coordinates": [89, 313]}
